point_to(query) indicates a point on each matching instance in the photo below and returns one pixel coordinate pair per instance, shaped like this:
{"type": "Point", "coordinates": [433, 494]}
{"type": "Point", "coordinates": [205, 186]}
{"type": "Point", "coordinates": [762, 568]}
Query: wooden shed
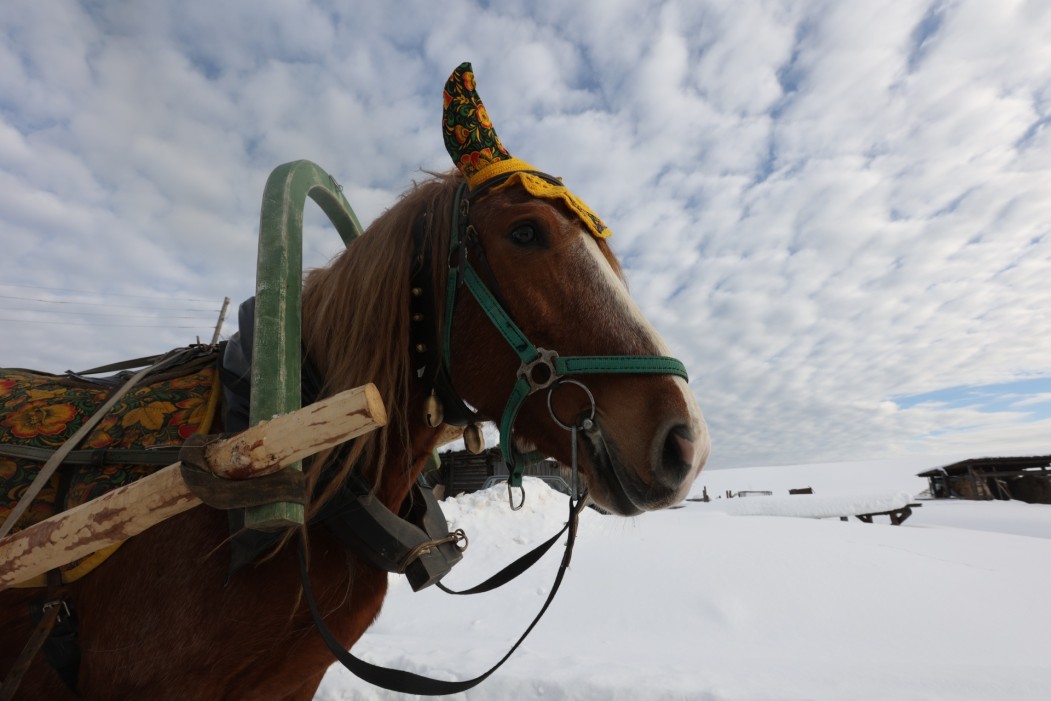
{"type": "Point", "coordinates": [1027, 479]}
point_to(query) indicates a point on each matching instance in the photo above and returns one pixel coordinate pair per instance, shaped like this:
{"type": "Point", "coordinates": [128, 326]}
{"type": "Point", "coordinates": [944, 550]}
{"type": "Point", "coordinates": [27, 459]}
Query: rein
{"type": "Point", "coordinates": [411, 683]}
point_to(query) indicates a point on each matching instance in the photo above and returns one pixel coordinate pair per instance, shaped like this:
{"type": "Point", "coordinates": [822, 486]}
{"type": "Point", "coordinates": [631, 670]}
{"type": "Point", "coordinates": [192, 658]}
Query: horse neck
{"type": "Point", "coordinates": [356, 328]}
{"type": "Point", "coordinates": [405, 463]}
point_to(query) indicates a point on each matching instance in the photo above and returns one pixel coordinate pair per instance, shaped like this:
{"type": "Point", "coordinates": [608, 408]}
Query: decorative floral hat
{"type": "Point", "coordinates": [478, 153]}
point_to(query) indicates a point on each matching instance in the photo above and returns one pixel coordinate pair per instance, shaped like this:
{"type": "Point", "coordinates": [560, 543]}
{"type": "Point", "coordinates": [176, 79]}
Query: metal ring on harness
{"type": "Point", "coordinates": [585, 424]}
{"type": "Point", "coordinates": [511, 496]}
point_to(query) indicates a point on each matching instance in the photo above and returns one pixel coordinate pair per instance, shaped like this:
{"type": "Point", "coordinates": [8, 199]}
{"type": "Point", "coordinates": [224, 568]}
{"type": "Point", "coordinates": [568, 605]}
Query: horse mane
{"type": "Point", "coordinates": [355, 325]}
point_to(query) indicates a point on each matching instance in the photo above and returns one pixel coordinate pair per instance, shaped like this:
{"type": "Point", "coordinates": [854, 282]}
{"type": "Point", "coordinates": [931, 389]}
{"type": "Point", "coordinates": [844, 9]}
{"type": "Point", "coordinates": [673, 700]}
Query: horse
{"type": "Point", "coordinates": [160, 619]}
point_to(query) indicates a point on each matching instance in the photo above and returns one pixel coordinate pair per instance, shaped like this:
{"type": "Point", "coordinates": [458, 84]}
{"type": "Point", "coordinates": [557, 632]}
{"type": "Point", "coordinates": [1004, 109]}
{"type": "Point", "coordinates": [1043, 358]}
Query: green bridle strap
{"type": "Point", "coordinates": [525, 350]}
{"type": "Point", "coordinates": [555, 366]}
{"type": "Point", "coordinates": [620, 365]}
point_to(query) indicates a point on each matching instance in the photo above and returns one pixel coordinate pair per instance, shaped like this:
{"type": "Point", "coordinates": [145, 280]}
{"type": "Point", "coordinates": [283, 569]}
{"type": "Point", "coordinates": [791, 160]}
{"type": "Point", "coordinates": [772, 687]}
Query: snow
{"type": "Point", "coordinates": [814, 505]}
{"type": "Point", "coordinates": [693, 603]}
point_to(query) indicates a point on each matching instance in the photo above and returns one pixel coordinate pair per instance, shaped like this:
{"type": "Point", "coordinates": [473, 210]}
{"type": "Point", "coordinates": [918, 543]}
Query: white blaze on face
{"type": "Point", "coordinates": [622, 309]}
{"type": "Point", "coordinates": [619, 302]}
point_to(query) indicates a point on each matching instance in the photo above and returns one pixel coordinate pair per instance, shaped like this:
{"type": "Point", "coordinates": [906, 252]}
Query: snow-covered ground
{"type": "Point", "coordinates": [698, 603]}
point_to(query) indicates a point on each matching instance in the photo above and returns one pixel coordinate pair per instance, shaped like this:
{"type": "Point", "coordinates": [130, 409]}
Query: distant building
{"type": "Point", "coordinates": [1026, 479]}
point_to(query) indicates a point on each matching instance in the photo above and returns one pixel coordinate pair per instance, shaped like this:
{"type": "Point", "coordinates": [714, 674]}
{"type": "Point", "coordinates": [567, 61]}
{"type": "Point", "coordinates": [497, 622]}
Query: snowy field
{"type": "Point", "coordinates": [699, 603]}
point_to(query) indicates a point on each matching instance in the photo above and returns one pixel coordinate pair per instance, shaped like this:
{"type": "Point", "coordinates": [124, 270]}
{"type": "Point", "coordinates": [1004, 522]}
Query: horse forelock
{"type": "Point", "coordinates": [356, 318]}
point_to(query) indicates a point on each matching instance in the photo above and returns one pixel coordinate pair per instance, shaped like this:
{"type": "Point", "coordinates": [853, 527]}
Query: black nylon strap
{"type": "Point", "coordinates": [409, 682]}
{"type": "Point", "coordinates": [511, 571]}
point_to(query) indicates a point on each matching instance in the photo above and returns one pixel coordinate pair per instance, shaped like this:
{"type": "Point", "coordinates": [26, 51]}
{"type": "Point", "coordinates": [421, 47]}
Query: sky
{"type": "Point", "coordinates": [836, 213]}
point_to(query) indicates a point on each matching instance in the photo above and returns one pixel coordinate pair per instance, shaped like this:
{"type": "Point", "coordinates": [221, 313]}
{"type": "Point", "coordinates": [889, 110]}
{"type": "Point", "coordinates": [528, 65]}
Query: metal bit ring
{"type": "Point", "coordinates": [584, 424]}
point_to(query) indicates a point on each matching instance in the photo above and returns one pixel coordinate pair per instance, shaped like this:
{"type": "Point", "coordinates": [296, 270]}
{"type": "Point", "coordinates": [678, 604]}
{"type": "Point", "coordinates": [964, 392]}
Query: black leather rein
{"type": "Point", "coordinates": [411, 683]}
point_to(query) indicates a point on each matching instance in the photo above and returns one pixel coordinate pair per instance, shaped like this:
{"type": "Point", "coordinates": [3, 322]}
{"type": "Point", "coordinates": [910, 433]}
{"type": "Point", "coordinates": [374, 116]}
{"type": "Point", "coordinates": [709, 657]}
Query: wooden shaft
{"type": "Point", "coordinates": [271, 445]}
{"type": "Point", "coordinates": [129, 510]}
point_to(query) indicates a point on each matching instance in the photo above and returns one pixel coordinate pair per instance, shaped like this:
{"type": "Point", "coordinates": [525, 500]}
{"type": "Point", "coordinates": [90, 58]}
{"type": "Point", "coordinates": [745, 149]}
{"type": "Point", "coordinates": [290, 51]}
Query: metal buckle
{"type": "Point", "coordinates": [61, 604]}
{"type": "Point", "coordinates": [455, 257]}
{"type": "Point", "coordinates": [546, 364]}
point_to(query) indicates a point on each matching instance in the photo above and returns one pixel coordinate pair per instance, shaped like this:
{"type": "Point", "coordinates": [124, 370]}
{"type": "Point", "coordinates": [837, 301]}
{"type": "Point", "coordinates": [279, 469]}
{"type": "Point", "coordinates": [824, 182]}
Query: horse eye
{"type": "Point", "coordinates": [524, 234]}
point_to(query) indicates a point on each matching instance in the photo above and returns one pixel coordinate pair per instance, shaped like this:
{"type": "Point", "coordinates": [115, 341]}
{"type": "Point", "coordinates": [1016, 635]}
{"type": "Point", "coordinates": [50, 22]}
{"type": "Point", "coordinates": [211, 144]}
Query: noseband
{"type": "Point", "coordinates": [540, 368]}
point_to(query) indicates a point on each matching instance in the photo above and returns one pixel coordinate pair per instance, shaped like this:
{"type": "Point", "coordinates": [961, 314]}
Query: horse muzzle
{"type": "Point", "coordinates": [629, 487]}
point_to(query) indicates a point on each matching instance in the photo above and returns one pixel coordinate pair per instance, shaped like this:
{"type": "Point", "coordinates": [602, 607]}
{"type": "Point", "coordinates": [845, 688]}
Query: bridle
{"type": "Point", "coordinates": [539, 368]}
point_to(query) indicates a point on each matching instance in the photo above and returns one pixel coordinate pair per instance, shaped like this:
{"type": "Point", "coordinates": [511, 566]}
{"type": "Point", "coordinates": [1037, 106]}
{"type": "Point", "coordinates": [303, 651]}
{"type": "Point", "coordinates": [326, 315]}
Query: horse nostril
{"type": "Point", "coordinates": [677, 455]}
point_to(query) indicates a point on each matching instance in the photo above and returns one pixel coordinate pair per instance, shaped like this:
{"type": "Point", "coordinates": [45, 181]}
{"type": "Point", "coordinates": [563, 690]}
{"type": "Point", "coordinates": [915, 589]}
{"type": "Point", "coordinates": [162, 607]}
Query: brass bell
{"type": "Point", "coordinates": [473, 439]}
{"type": "Point", "coordinates": [433, 413]}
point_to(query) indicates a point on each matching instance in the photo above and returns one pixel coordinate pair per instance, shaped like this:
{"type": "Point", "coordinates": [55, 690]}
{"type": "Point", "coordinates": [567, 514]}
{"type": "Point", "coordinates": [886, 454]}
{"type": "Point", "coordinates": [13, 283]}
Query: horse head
{"type": "Point", "coordinates": [525, 320]}
{"type": "Point", "coordinates": [542, 256]}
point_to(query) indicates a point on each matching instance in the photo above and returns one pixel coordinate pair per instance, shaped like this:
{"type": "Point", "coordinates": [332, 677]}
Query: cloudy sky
{"type": "Point", "coordinates": [838, 213]}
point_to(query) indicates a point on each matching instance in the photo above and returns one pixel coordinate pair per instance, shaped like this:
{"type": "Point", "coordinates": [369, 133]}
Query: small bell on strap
{"type": "Point", "coordinates": [433, 412]}
{"type": "Point", "coordinates": [473, 439]}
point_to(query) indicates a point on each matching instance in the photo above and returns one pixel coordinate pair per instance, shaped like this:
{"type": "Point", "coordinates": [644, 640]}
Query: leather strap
{"type": "Point", "coordinates": [25, 658]}
{"type": "Point", "coordinates": [123, 456]}
{"type": "Point", "coordinates": [411, 683]}
{"type": "Point", "coordinates": [55, 633]}
{"type": "Point", "coordinates": [121, 365]}
{"type": "Point", "coordinates": [511, 571]}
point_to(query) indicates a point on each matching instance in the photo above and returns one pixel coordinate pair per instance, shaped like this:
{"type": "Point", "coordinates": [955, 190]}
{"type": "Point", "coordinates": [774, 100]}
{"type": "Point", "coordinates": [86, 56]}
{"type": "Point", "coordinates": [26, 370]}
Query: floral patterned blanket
{"type": "Point", "coordinates": [43, 410]}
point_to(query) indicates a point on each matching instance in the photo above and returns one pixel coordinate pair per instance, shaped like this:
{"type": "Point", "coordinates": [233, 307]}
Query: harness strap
{"type": "Point", "coordinates": [508, 573]}
{"type": "Point", "coordinates": [620, 365]}
{"type": "Point", "coordinates": [55, 634]}
{"type": "Point", "coordinates": [36, 641]}
{"type": "Point", "coordinates": [411, 683]}
{"type": "Point", "coordinates": [122, 365]}
{"type": "Point", "coordinates": [125, 456]}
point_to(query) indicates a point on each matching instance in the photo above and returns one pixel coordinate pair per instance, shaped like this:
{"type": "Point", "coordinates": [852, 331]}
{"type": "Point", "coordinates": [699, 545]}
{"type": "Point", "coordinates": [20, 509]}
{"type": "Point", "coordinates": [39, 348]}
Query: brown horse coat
{"type": "Point", "coordinates": [158, 620]}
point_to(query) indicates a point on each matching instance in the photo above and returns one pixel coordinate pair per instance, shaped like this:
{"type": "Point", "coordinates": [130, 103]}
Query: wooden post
{"type": "Point", "coordinates": [129, 510]}
{"type": "Point", "coordinates": [222, 318]}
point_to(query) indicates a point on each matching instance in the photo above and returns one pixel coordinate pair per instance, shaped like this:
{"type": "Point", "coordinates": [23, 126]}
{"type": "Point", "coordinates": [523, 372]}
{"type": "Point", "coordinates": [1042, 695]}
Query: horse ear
{"type": "Point", "coordinates": [469, 135]}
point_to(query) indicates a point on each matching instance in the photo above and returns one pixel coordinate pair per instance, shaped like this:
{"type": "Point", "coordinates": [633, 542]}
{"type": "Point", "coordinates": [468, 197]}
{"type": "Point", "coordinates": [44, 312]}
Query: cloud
{"type": "Point", "coordinates": [824, 207]}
